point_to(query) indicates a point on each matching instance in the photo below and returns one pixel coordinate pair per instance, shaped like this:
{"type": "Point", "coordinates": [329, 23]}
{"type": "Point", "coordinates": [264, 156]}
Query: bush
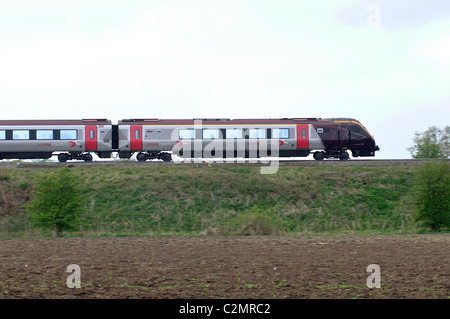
{"type": "Point", "coordinates": [432, 194]}
{"type": "Point", "coordinates": [57, 201]}
{"type": "Point", "coordinates": [258, 222]}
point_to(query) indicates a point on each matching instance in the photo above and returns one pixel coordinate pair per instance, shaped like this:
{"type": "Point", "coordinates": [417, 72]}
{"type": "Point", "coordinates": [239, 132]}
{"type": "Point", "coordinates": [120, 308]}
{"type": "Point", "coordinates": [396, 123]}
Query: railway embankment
{"type": "Point", "coordinates": [304, 197]}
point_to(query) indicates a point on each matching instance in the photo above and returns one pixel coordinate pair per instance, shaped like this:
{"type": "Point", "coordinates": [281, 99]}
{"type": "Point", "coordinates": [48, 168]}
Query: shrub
{"type": "Point", "coordinates": [57, 201]}
{"type": "Point", "coordinates": [259, 222]}
{"type": "Point", "coordinates": [432, 195]}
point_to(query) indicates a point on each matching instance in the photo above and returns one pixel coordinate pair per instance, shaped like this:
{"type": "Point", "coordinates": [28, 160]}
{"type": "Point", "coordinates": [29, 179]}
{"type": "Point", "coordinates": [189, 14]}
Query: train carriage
{"type": "Point", "coordinates": [41, 139]}
{"type": "Point", "coordinates": [249, 138]}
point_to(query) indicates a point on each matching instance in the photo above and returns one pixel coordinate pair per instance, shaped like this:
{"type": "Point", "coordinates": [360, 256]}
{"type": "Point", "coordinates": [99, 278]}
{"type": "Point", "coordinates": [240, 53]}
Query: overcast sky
{"type": "Point", "coordinates": [385, 63]}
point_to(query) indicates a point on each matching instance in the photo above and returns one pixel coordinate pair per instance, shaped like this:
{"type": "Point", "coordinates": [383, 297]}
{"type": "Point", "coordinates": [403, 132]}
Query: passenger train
{"type": "Point", "coordinates": [189, 138]}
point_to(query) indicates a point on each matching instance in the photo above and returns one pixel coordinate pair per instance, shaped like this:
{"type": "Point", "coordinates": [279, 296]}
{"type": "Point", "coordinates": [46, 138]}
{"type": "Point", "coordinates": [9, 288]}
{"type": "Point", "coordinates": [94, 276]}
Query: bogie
{"type": "Point", "coordinates": [342, 155]}
{"type": "Point", "coordinates": [142, 157]}
{"type": "Point", "coordinates": [64, 157]}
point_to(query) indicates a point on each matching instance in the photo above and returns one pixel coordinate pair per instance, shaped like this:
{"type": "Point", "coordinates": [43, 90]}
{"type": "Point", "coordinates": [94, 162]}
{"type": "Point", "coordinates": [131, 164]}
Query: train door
{"type": "Point", "coordinates": [302, 136]}
{"type": "Point", "coordinates": [91, 137]}
{"type": "Point", "coordinates": [136, 137]}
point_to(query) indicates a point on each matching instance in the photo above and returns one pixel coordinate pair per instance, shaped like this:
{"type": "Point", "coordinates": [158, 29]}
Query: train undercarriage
{"type": "Point", "coordinates": [318, 155]}
{"type": "Point", "coordinates": [81, 156]}
{"type": "Point", "coordinates": [340, 154]}
{"type": "Point", "coordinates": [167, 157]}
{"type": "Point", "coordinates": [143, 156]}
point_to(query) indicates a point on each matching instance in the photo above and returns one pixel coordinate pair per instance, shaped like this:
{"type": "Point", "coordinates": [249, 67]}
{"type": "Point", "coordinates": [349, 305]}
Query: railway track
{"type": "Point", "coordinates": [254, 163]}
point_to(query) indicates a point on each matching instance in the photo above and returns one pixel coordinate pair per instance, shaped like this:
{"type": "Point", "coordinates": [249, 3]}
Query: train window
{"type": "Point", "coordinates": [21, 134]}
{"type": "Point", "coordinates": [257, 133]}
{"type": "Point", "coordinates": [68, 134]}
{"type": "Point", "coordinates": [44, 134]}
{"type": "Point", "coordinates": [2, 135]}
{"type": "Point", "coordinates": [234, 133]}
{"type": "Point", "coordinates": [186, 134]}
{"type": "Point", "coordinates": [303, 133]}
{"type": "Point", "coordinates": [356, 129]}
{"type": "Point", "coordinates": [211, 133]}
{"type": "Point", "coordinates": [280, 133]}
{"type": "Point", "coordinates": [92, 134]}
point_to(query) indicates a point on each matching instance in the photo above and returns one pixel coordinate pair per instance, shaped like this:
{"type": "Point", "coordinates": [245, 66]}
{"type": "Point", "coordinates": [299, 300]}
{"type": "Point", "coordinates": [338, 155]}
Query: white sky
{"type": "Point", "coordinates": [383, 62]}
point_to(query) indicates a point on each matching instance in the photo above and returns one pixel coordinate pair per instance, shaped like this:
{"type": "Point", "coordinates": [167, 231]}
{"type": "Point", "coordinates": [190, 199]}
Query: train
{"type": "Point", "coordinates": [161, 139]}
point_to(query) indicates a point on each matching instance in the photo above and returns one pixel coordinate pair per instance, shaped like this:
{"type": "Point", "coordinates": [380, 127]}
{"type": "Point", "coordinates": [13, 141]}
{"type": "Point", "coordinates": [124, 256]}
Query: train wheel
{"type": "Point", "coordinates": [63, 158]}
{"type": "Point", "coordinates": [166, 157]}
{"type": "Point", "coordinates": [344, 156]}
{"type": "Point", "coordinates": [87, 158]}
{"type": "Point", "coordinates": [319, 156]}
{"type": "Point", "coordinates": [141, 157]}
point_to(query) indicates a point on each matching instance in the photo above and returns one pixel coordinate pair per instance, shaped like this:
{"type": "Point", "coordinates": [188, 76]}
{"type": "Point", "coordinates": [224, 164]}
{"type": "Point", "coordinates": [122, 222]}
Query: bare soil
{"type": "Point", "coordinates": [323, 267]}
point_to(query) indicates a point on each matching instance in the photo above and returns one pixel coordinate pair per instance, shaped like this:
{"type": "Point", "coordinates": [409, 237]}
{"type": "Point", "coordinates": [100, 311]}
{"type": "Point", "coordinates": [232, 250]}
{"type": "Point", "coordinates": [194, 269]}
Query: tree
{"type": "Point", "coordinates": [432, 195]}
{"type": "Point", "coordinates": [58, 201]}
{"type": "Point", "coordinates": [433, 143]}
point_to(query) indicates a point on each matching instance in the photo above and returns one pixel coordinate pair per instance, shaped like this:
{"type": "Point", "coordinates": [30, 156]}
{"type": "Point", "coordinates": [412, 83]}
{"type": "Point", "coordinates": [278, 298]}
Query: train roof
{"type": "Point", "coordinates": [56, 122]}
{"type": "Point", "coordinates": [225, 121]}
{"type": "Point", "coordinates": [155, 121]}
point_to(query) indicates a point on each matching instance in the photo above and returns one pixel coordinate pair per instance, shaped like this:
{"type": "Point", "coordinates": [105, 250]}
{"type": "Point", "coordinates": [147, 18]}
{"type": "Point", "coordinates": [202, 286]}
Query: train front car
{"type": "Point", "coordinates": [340, 135]}
{"type": "Point", "coordinates": [249, 138]}
{"type": "Point", "coordinates": [40, 139]}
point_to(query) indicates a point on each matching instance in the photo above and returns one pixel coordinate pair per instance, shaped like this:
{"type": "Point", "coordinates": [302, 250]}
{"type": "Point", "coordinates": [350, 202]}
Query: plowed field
{"type": "Point", "coordinates": [412, 266]}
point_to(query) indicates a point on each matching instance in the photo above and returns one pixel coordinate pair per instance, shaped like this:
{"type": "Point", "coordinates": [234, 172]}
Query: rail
{"type": "Point", "coordinates": [211, 163]}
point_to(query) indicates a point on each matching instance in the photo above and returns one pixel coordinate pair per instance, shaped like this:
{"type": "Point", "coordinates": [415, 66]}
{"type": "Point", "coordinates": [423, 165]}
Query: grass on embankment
{"type": "Point", "coordinates": [226, 200]}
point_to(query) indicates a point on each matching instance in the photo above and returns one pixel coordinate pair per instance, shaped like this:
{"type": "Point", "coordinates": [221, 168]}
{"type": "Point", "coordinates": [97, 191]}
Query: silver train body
{"type": "Point", "coordinates": [69, 139]}
{"type": "Point", "coordinates": [194, 138]}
